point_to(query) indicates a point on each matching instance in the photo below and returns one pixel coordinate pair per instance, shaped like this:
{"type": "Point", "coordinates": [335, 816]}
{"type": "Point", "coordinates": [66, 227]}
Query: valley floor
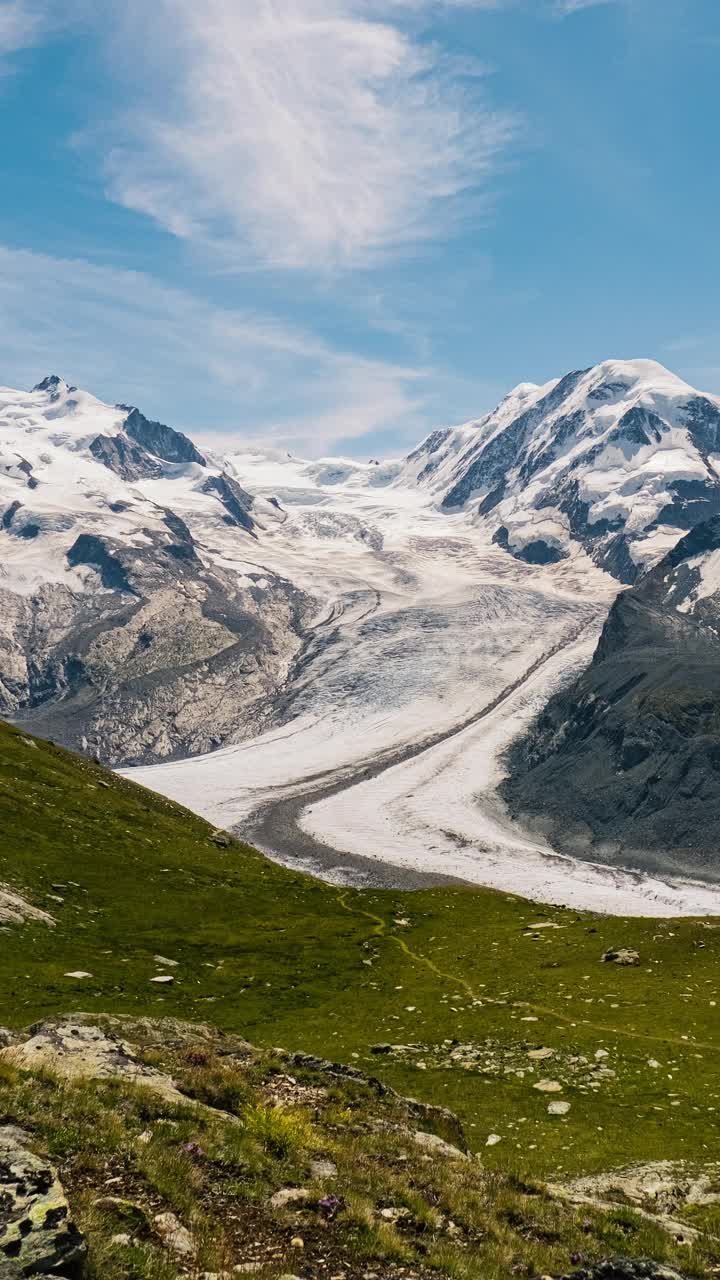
{"type": "Point", "coordinates": [431, 650]}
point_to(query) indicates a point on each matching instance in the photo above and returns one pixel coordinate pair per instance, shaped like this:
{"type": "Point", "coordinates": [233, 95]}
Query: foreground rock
{"type": "Point", "coordinates": [37, 1234]}
{"type": "Point", "coordinates": [625, 1269]}
{"type": "Point", "coordinates": [71, 1049]}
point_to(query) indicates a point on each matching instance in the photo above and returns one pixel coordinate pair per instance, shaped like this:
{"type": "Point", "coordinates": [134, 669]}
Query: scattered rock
{"type": "Point", "coordinates": [164, 960]}
{"type": "Point", "coordinates": [493, 1139]}
{"type": "Point", "coordinates": [37, 1235]}
{"type": "Point", "coordinates": [558, 1108]}
{"type": "Point", "coordinates": [322, 1169]}
{"type": "Point", "coordinates": [548, 1086]}
{"type": "Point", "coordinates": [222, 839]}
{"type": "Point", "coordinates": [165, 978]}
{"type": "Point", "coordinates": [623, 956]}
{"type": "Point", "coordinates": [174, 1235]}
{"type": "Point", "coordinates": [391, 1214]}
{"type": "Point", "coordinates": [438, 1146]}
{"type": "Point", "coordinates": [539, 1055]}
{"type": "Point", "coordinates": [121, 1237]}
{"type": "Point", "coordinates": [289, 1195]}
{"type": "Point", "coordinates": [78, 973]}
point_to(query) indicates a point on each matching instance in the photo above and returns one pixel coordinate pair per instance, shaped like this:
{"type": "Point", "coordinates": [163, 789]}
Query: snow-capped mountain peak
{"type": "Point", "coordinates": [618, 459]}
{"type": "Point", "coordinates": [71, 465]}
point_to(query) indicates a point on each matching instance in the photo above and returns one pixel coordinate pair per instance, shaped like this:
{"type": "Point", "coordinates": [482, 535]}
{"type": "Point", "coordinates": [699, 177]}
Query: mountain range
{"type": "Point", "coordinates": [161, 600]}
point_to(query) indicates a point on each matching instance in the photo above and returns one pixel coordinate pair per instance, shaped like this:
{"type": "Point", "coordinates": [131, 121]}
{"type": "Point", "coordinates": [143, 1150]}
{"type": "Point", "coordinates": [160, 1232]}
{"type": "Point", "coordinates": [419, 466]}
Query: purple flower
{"type": "Point", "coordinates": [193, 1149]}
{"type": "Point", "coordinates": [330, 1206]}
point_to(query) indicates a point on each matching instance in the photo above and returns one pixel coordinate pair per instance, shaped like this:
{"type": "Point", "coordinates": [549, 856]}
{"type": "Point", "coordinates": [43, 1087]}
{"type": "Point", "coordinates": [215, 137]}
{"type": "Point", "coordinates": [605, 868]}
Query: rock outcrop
{"type": "Point", "coordinates": [37, 1234]}
{"type": "Point", "coordinates": [623, 765]}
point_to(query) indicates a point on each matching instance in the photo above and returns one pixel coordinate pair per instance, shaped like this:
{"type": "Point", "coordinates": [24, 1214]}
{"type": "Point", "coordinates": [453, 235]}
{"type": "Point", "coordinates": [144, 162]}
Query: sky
{"type": "Point", "coordinates": [333, 225]}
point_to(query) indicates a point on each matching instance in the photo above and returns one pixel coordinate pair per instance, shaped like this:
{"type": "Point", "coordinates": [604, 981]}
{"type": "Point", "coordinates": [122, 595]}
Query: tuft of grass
{"type": "Point", "coordinates": [281, 1131]}
{"type": "Point", "coordinates": [217, 1084]}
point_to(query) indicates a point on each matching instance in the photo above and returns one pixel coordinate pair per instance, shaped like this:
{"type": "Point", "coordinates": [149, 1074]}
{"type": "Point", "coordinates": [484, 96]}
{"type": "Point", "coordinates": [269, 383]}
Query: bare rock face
{"type": "Point", "coordinates": [37, 1234]}
{"type": "Point", "coordinates": [623, 764]}
{"type": "Point", "coordinates": [165, 658]}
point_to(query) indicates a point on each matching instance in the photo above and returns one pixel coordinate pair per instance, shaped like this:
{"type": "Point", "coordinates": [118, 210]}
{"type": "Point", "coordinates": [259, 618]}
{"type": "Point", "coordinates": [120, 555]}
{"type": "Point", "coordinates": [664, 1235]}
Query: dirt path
{"type": "Point", "coordinates": [453, 979]}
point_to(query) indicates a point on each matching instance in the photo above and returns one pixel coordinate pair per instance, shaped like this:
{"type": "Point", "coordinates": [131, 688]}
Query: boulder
{"type": "Point", "coordinates": [438, 1146]}
{"type": "Point", "coordinates": [174, 1235]}
{"type": "Point", "coordinates": [37, 1234]}
{"type": "Point", "coordinates": [75, 1050]}
{"type": "Point", "coordinates": [622, 956]}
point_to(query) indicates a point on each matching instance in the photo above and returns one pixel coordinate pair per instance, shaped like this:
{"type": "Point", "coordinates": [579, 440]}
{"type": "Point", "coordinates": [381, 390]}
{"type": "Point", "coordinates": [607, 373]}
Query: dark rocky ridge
{"type": "Point", "coordinates": [623, 766]}
{"type": "Point", "coordinates": [164, 442]}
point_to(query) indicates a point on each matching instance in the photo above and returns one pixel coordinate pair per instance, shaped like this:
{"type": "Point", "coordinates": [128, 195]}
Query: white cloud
{"type": "Point", "coordinates": [126, 336]}
{"type": "Point", "coordinates": [20, 25]}
{"type": "Point", "coordinates": [574, 6]}
{"type": "Point", "coordinates": [303, 134]}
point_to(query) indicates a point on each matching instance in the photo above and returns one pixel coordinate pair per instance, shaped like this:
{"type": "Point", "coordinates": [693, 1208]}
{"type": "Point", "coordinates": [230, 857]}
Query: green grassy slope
{"type": "Point", "coordinates": [285, 960]}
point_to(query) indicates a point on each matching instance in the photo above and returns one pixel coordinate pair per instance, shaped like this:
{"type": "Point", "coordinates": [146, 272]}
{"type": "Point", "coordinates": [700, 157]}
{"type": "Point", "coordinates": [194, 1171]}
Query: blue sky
{"type": "Point", "coordinates": [335, 224]}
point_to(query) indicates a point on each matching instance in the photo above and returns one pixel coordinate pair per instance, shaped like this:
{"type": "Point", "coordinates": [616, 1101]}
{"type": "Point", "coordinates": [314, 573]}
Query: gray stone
{"type": "Point", "coordinates": [558, 1108]}
{"type": "Point", "coordinates": [174, 1235]}
{"type": "Point", "coordinates": [37, 1234]}
{"type": "Point", "coordinates": [623, 956]}
{"type": "Point", "coordinates": [288, 1196]}
{"type": "Point", "coordinates": [438, 1146]}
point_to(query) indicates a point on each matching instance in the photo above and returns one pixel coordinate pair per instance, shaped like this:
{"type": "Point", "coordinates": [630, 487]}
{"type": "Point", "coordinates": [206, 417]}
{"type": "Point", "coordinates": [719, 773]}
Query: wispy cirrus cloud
{"type": "Point", "coordinates": [564, 7]}
{"type": "Point", "coordinates": [21, 24]}
{"type": "Point", "coordinates": [312, 133]}
{"type": "Point", "coordinates": [127, 336]}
